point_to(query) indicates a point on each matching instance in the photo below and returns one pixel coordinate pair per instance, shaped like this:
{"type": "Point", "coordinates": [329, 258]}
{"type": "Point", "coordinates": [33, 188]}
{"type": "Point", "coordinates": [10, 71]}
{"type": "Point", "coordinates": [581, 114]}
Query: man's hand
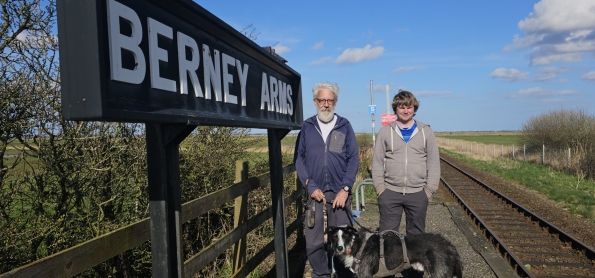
{"type": "Point", "coordinates": [317, 195]}
{"type": "Point", "coordinates": [340, 199]}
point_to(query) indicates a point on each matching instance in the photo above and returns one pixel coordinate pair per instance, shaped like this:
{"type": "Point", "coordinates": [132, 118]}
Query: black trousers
{"type": "Point", "coordinates": [391, 205]}
{"type": "Point", "coordinates": [315, 246]}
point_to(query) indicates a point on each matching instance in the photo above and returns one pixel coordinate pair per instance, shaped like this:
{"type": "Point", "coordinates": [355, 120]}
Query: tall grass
{"type": "Point", "coordinates": [496, 138]}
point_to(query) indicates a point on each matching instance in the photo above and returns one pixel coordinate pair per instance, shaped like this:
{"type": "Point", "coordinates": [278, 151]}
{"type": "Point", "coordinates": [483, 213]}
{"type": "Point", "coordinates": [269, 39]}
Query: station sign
{"type": "Point", "coordinates": [169, 62]}
{"type": "Point", "coordinates": [372, 109]}
{"type": "Point", "coordinates": [387, 118]}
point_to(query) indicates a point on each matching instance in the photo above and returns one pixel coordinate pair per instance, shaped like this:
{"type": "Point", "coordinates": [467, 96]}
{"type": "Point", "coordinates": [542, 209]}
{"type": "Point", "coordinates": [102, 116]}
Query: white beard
{"type": "Point", "coordinates": [326, 115]}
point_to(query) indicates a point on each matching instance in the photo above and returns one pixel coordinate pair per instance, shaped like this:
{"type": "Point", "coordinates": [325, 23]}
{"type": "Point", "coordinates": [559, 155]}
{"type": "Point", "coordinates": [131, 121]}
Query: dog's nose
{"type": "Point", "coordinates": [339, 248]}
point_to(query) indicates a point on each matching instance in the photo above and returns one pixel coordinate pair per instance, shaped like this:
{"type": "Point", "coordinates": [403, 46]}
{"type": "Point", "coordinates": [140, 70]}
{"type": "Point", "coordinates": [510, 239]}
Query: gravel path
{"type": "Point", "coordinates": [440, 220]}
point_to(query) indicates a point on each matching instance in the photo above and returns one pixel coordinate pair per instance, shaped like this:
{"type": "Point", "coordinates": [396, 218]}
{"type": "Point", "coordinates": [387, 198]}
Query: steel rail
{"type": "Point", "coordinates": [552, 229]}
{"type": "Point", "coordinates": [516, 264]}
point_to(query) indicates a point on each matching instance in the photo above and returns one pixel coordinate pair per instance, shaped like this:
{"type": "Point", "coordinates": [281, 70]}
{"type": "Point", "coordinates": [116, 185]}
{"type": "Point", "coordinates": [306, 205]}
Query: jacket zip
{"type": "Point", "coordinates": [406, 163]}
{"type": "Point", "coordinates": [406, 158]}
{"type": "Point", "coordinates": [326, 153]}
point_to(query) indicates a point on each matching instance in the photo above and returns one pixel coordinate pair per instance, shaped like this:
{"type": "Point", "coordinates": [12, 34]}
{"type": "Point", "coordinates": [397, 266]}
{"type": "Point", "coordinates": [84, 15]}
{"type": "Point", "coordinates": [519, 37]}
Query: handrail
{"type": "Point", "coordinates": [358, 186]}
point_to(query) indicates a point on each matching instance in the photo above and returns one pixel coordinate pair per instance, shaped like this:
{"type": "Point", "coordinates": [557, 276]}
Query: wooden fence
{"type": "Point", "coordinates": [86, 255]}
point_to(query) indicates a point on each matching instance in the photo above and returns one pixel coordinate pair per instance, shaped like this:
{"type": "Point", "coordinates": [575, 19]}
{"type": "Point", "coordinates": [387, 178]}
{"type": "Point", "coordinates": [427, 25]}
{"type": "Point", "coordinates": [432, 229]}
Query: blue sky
{"type": "Point", "coordinates": [473, 65]}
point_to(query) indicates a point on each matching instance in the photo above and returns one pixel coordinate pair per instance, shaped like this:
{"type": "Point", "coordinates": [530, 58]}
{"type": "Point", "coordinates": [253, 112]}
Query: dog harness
{"type": "Point", "coordinates": [382, 270]}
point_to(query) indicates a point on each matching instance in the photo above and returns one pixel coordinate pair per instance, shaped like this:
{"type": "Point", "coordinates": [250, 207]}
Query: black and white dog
{"type": "Point", "coordinates": [430, 253]}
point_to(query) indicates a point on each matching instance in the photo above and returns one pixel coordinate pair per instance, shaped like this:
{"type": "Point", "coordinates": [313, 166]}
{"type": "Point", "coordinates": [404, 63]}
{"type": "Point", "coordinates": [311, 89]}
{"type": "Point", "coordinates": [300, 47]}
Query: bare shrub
{"type": "Point", "coordinates": [559, 131]}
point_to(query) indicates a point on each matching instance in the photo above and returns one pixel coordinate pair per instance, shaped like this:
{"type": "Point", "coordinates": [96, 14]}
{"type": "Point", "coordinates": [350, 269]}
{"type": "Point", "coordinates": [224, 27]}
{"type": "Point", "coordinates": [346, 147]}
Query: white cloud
{"type": "Point", "coordinates": [540, 59]}
{"type": "Point", "coordinates": [548, 73]}
{"type": "Point", "coordinates": [354, 55]}
{"type": "Point", "coordinates": [408, 68]}
{"type": "Point", "coordinates": [280, 49]}
{"type": "Point", "coordinates": [544, 76]}
{"type": "Point", "coordinates": [36, 40]}
{"type": "Point", "coordinates": [560, 16]}
{"type": "Point", "coordinates": [510, 75]}
{"type": "Point", "coordinates": [23, 36]}
{"type": "Point", "coordinates": [557, 31]}
{"type": "Point", "coordinates": [589, 76]}
{"type": "Point", "coordinates": [524, 42]}
{"type": "Point", "coordinates": [318, 45]}
{"type": "Point", "coordinates": [532, 91]}
{"type": "Point", "coordinates": [541, 92]}
{"type": "Point", "coordinates": [320, 61]}
{"type": "Point", "coordinates": [580, 46]}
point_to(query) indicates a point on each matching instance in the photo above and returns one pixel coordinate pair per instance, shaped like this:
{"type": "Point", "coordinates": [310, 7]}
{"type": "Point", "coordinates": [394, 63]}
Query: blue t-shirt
{"type": "Point", "coordinates": [406, 132]}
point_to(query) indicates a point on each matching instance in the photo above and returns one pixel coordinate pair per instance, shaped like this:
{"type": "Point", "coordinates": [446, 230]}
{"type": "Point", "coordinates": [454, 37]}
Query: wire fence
{"type": "Point", "coordinates": [576, 161]}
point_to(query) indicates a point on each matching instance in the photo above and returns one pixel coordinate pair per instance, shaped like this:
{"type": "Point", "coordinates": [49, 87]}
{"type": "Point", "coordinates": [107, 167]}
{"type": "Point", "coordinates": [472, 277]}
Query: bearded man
{"type": "Point", "coordinates": [326, 160]}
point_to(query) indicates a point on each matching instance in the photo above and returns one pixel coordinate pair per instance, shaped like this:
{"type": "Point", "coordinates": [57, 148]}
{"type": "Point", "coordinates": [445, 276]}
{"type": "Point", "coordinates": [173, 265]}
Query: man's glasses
{"type": "Point", "coordinates": [324, 101]}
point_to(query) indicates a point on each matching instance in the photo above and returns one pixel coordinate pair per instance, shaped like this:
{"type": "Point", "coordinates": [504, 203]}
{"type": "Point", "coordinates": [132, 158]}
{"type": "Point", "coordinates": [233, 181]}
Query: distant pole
{"type": "Point", "coordinates": [372, 103]}
{"type": "Point", "coordinates": [387, 105]}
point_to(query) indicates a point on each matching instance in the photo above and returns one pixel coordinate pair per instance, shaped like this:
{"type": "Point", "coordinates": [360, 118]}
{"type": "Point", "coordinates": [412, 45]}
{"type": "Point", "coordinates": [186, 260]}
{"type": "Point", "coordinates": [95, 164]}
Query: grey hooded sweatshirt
{"type": "Point", "coordinates": [406, 167]}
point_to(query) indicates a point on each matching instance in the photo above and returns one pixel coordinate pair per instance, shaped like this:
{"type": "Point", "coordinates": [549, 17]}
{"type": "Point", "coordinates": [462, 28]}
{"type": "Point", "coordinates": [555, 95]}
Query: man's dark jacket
{"type": "Point", "coordinates": [329, 166]}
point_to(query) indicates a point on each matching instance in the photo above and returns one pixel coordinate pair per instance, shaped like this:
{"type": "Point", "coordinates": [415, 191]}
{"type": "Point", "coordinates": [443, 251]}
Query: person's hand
{"type": "Point", "coordinates": [340, 199]}
{"type": "Point", "coordinates": [317, 195]}
{"type": "Point", "coordinates": [380, 192]}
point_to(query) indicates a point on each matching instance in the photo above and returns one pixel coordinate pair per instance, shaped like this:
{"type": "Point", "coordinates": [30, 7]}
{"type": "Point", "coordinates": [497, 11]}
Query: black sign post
{"type": "Point", "coordinates": [174, 66]}
{"type": "Point", "coordinates": [278, 204]}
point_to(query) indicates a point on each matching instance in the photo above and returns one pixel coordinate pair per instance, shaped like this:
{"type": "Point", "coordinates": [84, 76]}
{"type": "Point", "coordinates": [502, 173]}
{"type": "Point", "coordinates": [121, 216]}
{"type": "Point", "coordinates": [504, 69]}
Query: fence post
{"type": "Point", "coordinates": [543, 154]}
{"type": "Point", "coordinates": [299, 207]}
{"type": "Point", "coordinates": [494, 154]}
{"type": "Point", "coordinates": [568, 157]}
{"type": "Point", "coordinates": [501, 150]}
{"type": "Point", "coordinates": [524, 156]}
{"type": "Point", "coordinates": [240, 216]}
{"type": "Point", "coordinates": [513, 151]}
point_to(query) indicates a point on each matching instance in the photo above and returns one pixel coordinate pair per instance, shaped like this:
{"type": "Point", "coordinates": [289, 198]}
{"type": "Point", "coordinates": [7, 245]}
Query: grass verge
{"type": "Point", "coordinates": [571, 192]}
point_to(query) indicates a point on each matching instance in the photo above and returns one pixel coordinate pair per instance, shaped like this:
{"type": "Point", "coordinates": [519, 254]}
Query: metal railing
{"type": "Point", "coordinates": [359, 189]}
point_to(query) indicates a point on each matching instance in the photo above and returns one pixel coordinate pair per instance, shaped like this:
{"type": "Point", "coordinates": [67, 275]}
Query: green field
{"type": "Point", "coordinates": [497, 138]}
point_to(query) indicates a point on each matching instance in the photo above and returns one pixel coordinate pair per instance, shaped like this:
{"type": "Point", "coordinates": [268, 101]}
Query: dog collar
{"type": "Point", "coordinates": [348, 251]}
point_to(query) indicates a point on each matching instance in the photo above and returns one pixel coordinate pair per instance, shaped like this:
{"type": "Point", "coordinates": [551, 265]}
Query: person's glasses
{"type": "Point", "coordinates": [324, 101]}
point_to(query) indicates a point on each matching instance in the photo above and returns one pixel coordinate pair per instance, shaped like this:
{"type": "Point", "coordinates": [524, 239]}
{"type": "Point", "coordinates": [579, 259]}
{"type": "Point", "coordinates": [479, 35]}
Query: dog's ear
{"type": "Point", "coordinates": [351, 230]}
{"type": "Point", "coordinates": [330, 229]}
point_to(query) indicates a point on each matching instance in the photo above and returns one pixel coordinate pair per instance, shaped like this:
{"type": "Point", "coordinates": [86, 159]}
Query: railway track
{"type": "Point", "coordinates": [531, 245]}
